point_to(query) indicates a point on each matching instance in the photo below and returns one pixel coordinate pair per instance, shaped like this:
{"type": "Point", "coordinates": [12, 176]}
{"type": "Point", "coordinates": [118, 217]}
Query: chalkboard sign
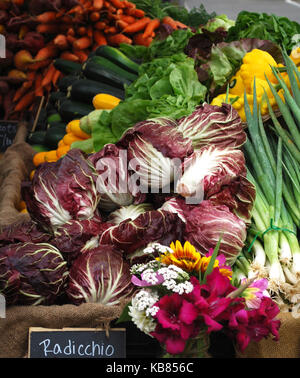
{"type": "Point", "coordinates": [76, 343]}
{"type": "Point", "coordinates": [8, 130]}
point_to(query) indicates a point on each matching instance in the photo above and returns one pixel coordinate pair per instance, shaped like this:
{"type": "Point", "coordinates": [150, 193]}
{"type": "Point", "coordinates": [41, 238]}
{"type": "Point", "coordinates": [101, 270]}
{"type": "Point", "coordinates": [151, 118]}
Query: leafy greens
{"type": "Point", "coordinates": [279, 30]}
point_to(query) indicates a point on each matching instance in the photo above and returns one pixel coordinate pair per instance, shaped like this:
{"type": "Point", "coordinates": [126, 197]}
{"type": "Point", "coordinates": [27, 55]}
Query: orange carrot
{"type": "Point", "coordinates": [81, 30]}
{"type": "Point", "coordinates": [48, 75]}
{"type": "Point", "coordinates": [138, 13]}
{"type": "Point", "coordinates": [94, 16]}
{"type": "Point", "coordinates": [48, 87]}
{"type": "Point", "coordinates": [119, 12]}
{"type": "Point", "coordinates": [139, 39]}
{"type": "Point", "coordinates": [121, 24]}
{"type": "Point", "coordinates": [82, 55]}
{"type": "Point", "coordinates": [22, 90]}
{"type": "Point", "coordinates": [66, 19]}
{"type": "Point", "coordinates": [60, 13]}
{"type": "Point", "coordinates": [47, 28]}
{"type": "Point", "coordinates": [129, 4]}
{"type": "Point", "coordinates": [152, 25]}
{"type": "Point", "coordinates": [77, 9]}
{"type": "Point", "coordinates": [46, 17]}
{"type": "Point", "coordinates": [38, 85]}
{"type": "Point", "coordinates": [137, 26]}
{"type": "Point", "coordinates": [110, 30]}
{"type": "Point", "coordinates": [118, 4]}
{"type": "Point", "coordinates": [82, 43]}
{"type": "Point", "coordinates": [100, 25]}
{"type": "Point", "coordinates": [97, 4]}
{"type": "Point", "coordinates": [69, 56]}
{"type": "Point", "coordinates": [47, 52]}
{"type": "Point", "coordinates": [71, 39]}
{"type": "Point", "coordinates": [36, 66]}
{"type": "Point", "coordinates": [181, 25]}
{"type": "Point", "coordinates": [116, 39]}
{"type": "Point", "coordinates": [99, 38]}
{"type": "Point", "coordinates": [61, 42]}
{"type": "Point", "coordinates": [87, 5]}
{"type": "Point", "coordinates": [25, 101]}
{"type": "Point", "coordinates": [128, 19]}
{"type": "Point", "coordinates": [71, 32]}
{"type": "Point", "coordinates": [170, 21]}
{"type": "Point", "coordinates": [55, 77]}
{"type": "Point", "coordinates": [89, 31]}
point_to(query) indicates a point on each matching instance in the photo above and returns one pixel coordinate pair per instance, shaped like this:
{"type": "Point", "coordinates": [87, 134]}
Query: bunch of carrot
{"type": "Point", "coordinates": [70, 34]}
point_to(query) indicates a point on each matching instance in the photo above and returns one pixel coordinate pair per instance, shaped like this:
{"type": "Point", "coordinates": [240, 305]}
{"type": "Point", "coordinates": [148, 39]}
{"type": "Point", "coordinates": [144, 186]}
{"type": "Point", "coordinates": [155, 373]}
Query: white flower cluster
{"type": "Point", "coordinates": [140, 268]}
{"type": "Point", "coordinates": [142, 310]}
{"type": "Point", "coordinates": [150, 276]}
{"type": "Point", "coordinates": [180, 288]}
{"type": "Point", "coordinates": [156, 247]}
{"type": "Point", "coordinates": [173, 272]}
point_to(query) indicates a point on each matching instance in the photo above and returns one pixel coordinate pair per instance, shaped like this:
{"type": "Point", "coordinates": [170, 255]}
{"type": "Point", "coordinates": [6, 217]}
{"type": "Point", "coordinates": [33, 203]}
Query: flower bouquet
{"type": "Point", "coordinates": [182, 296]}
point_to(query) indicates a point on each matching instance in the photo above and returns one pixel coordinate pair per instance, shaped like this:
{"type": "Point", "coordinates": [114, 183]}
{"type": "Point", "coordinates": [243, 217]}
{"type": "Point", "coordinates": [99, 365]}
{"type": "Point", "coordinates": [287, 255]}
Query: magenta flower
{"type": "Point", "coordinates": [172, 339]}
{"type": "Point", "coordinates": [256, 324]}
{"type": "Point", "coordinates": [176, 322]}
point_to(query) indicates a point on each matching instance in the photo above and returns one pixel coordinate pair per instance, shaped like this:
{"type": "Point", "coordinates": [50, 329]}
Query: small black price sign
{"type": "Point", "coordinates": [76, 343]}
{"type": "Point", "coordinates": [8, 130]}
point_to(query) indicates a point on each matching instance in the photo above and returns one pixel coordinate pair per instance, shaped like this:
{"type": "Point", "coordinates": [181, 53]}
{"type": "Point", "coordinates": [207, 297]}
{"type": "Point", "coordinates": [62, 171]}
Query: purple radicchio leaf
{"type": "Point", "coordinates": [32, 273]}
{"type": "Point", "coordinates": [213, 125]}
{"type": "Point", "coordinates": [100, 276]}
{"type": "Point", "coordinates": [206, 223]}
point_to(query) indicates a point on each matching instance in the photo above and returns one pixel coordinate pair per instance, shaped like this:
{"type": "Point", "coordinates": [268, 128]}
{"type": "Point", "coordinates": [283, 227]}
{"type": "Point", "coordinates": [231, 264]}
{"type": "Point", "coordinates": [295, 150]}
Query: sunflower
{"type": "Point", "coordinates": [185, 257]}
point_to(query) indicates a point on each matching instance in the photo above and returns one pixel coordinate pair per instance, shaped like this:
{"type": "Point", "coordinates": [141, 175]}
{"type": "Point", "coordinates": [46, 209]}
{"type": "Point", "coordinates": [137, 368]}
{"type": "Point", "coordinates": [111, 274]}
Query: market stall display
{"type": "Point", "coordinates": [161, 175]}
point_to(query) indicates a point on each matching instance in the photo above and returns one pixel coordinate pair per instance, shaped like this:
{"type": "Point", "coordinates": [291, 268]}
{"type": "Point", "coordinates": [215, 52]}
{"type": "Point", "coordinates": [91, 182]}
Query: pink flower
{"type": "Point", "coordinates": [254, 292]}
{"type": "Point", "coordinates": [255, 324]}
{"type": "Point", "coordinates": [177, 322]}
{"type": "Point", "coordinates": [172, 340]}
{"type": "Point", "coordinates": [210, 299]}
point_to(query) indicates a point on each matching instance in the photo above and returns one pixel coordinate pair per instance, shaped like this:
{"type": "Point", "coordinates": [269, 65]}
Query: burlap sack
{"type": "Point", "coordinates": [288, 345]}
{"type": "Point", "coordinates": [14, 328]}
{"type": "Point", "coordinates": [15, 166]}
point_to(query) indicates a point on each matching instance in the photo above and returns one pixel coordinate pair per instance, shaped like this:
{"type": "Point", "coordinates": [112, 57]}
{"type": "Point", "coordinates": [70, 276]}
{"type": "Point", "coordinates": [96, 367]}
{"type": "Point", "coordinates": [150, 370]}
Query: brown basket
{"type": "Point", "coordinates": [14, 329]}
{"type": "Point", "coordinates": [15, 167]}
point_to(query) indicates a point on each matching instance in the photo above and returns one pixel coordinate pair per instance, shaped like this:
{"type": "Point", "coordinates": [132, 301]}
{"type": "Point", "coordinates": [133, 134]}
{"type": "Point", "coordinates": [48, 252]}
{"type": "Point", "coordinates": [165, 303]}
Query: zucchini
{"type": "Point", "coordinates": [70, 110]}
{"type": "Point", "coordinates": [53, 136]}
{"type": "Point", "coordinates": [85, 90]}
{"type": "Point", "coordinates": [66, 81]}
{"type": "Point", "coordinates": [37, 137]}
{"type": "Point", "coordinates": [66, 66]}
{"type": "Point", "coordinates": [96, 72]}
{"type": "Point", "coordinates": [55, 96]}
{"type": "Point", "coordinates": [57, 124]}
{"type": "Point", "coordinates": [118, 57]}
{"type": "Point", "coordinates": [107, 64]}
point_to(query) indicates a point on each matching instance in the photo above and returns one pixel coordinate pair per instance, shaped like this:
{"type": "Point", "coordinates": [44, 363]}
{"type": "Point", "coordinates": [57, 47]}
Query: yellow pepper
{"type": "Point", "coordinates": [295, 55]}
{"type": "Point", "coordinates": [236, 85]}
{"type": "Point", "coordinates": [256, 64]}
